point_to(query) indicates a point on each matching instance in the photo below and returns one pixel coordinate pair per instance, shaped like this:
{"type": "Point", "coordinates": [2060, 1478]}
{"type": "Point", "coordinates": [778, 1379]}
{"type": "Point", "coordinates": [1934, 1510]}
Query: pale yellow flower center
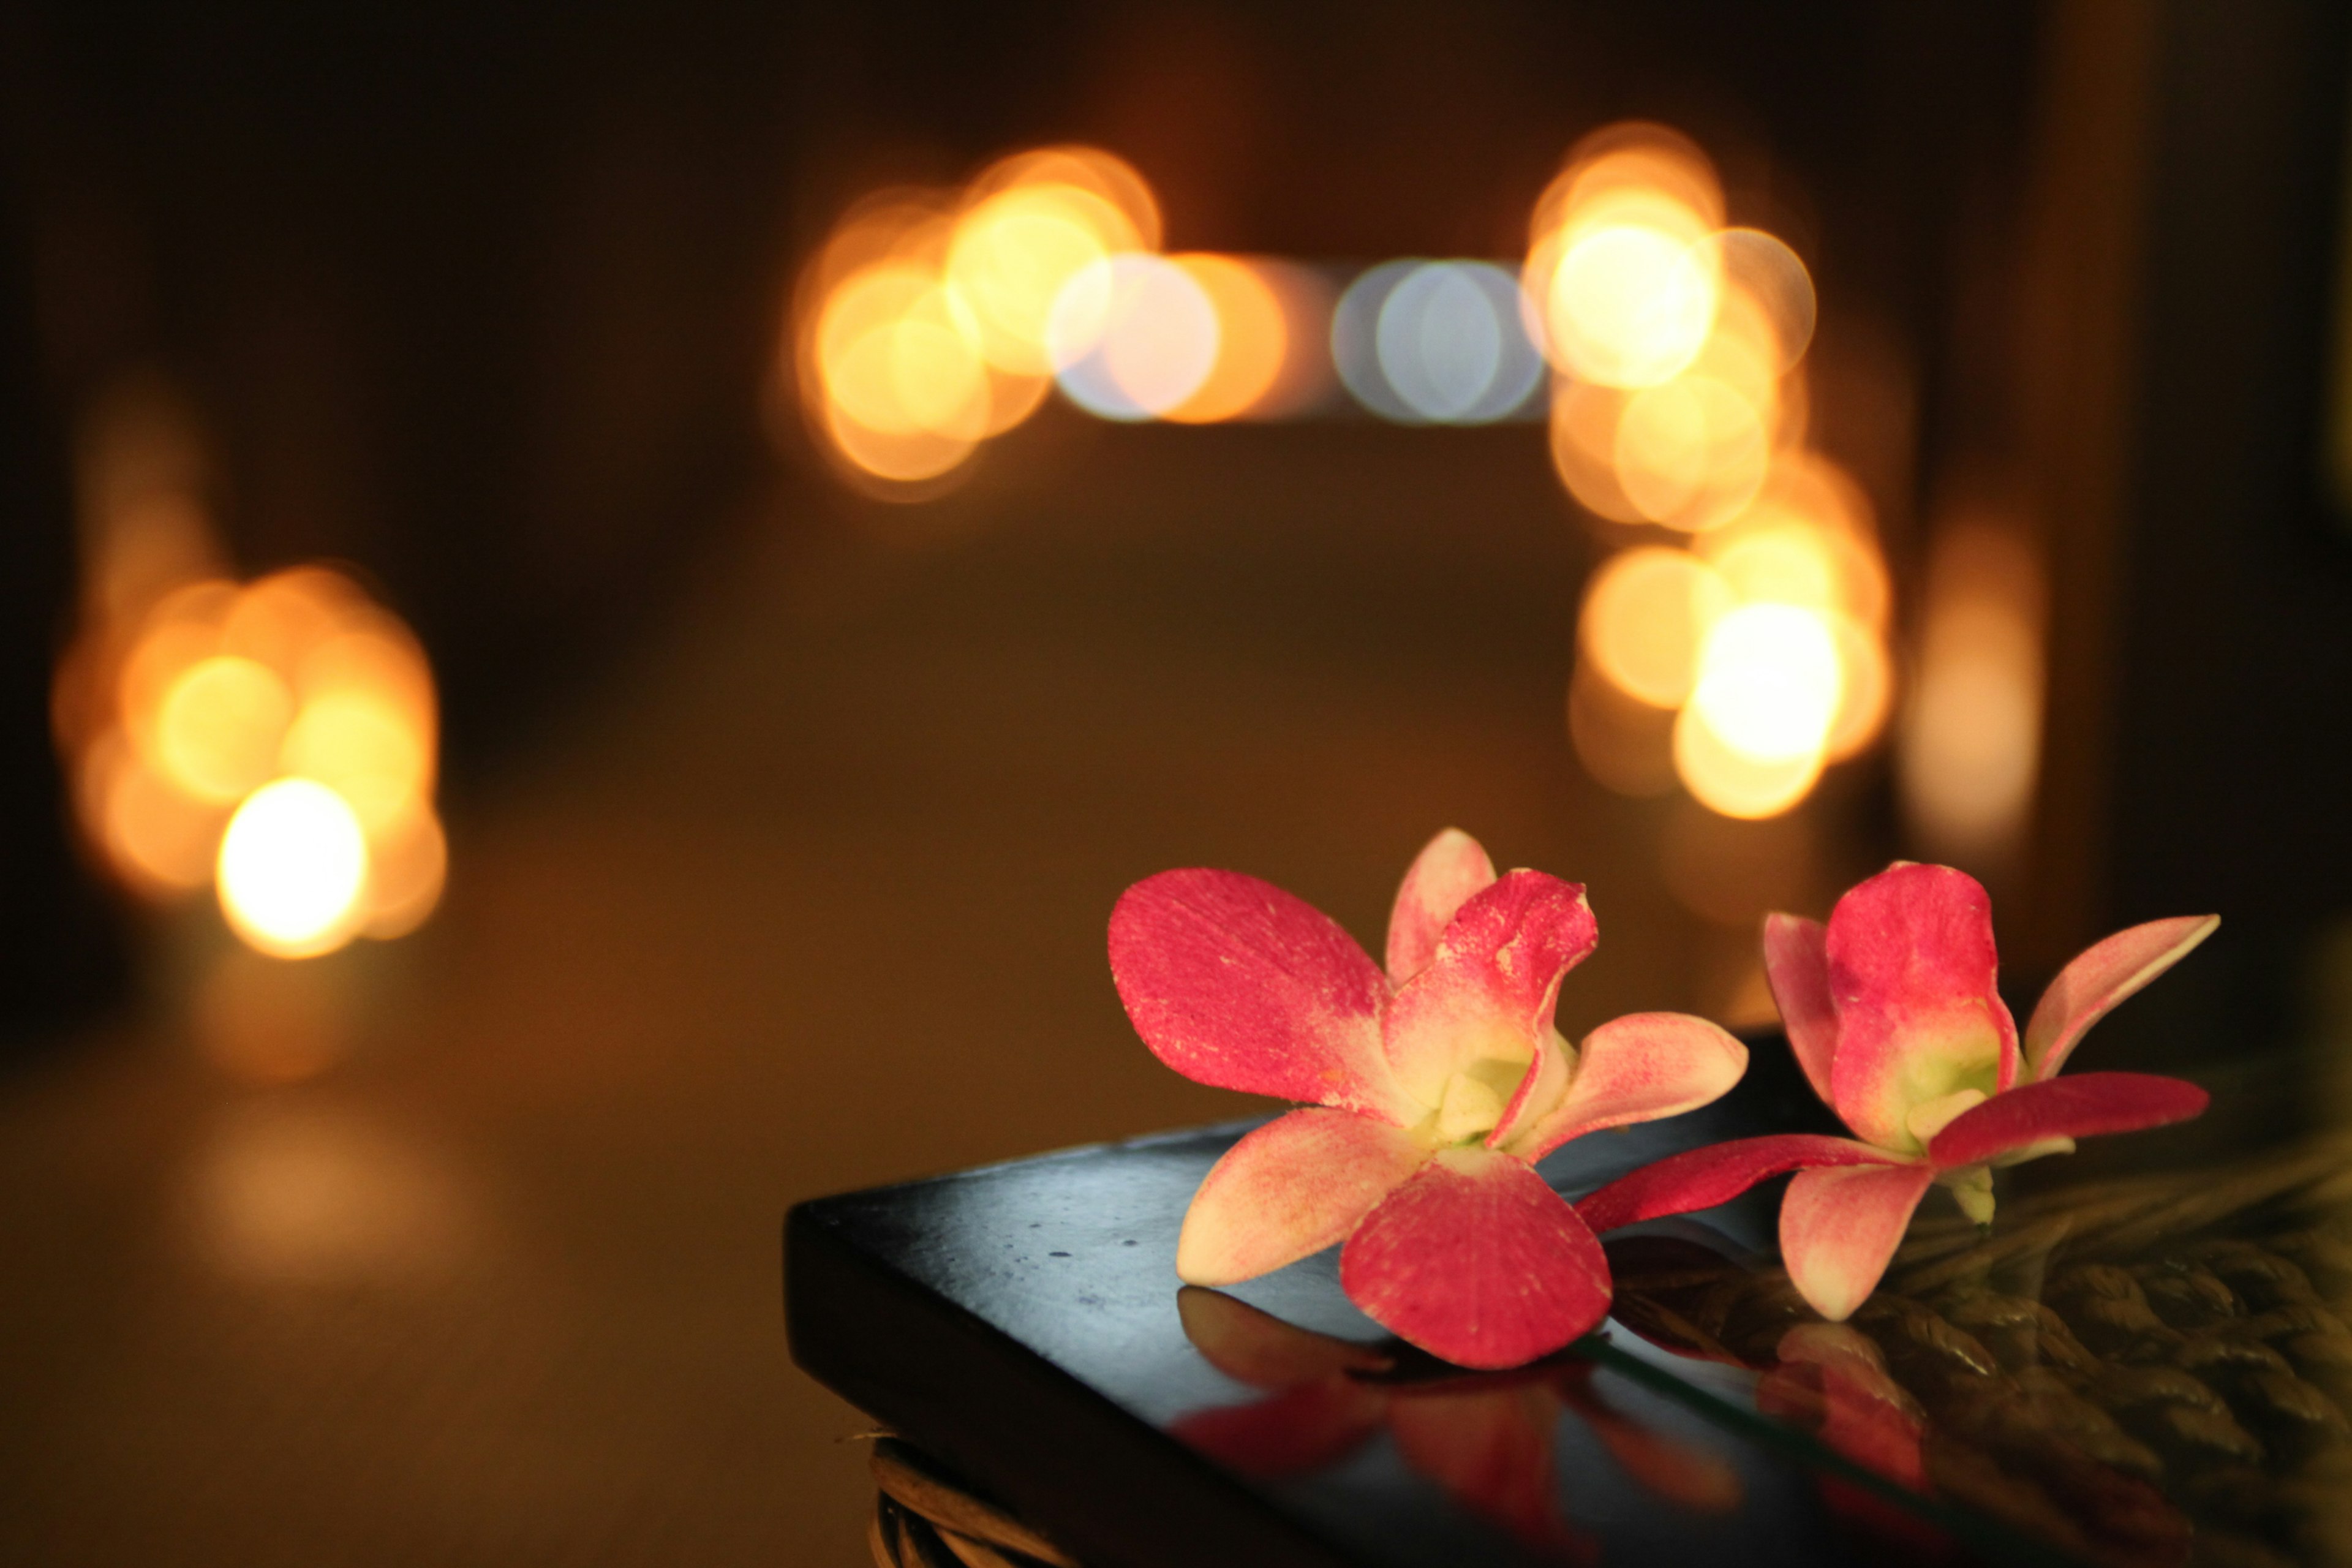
{"type": "Point", "coordinates": [1930, 1117]}
{"type": "Point", "coordinates": [1478, 1092]}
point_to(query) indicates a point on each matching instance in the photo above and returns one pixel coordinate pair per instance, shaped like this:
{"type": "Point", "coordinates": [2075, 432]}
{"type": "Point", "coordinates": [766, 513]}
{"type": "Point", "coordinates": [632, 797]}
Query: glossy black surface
{"type": "Point", "coordinates": [1023, 1321]}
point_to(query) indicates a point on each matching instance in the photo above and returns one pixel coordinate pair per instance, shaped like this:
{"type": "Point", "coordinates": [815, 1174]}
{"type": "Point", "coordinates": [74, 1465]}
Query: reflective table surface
{"type": "Point", "coordinates": [2145, 1360]}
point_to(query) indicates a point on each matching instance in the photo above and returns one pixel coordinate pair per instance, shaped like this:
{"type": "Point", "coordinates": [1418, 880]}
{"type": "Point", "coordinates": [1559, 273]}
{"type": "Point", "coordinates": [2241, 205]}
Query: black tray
{"type": "Point", "coordinates": [1021, 1322]}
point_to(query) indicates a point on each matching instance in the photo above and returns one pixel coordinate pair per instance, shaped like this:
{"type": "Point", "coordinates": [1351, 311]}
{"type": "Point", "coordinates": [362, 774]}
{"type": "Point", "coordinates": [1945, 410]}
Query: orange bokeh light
{"type": "Point", "coordinates": [923, 325]}
{"type": "Point", "coordinates": [1639, 156]}
{"type": "Point", "coordinates": [1012, 254]}
{"type": "Point", "coordinates": [277, 618]}
{"type": "Point", "coordinates": [1732, 782]}
{"type": "Point", "coordinates": [1867, 688]}
{"type": "Point", "coordinates": [1691, 452]}
{"type": "Point", "coordinates": [219, 725]}
{"type": "Point", "coordinates": [912, 460]}
{"type": "Point", "coordinates": [217, 694]}
{"type": "Point", "coordinates": [1619, 273]}
{"type": "Point", "coordinates": [1104, 175]}
{"type": "Point", "coordinates": [1584, 424]}
{"type": "Point", "coordinates": [1680, 400]}
{"type": "Point", "coordinates": [896, 356]}
{"type": "Point", "coordinates": [408, 861]}
{"type": "Point", "coordinates": [1253, 339]}
{"type": "Point", "coordinates": [1768, 284]}
{"type": "Point", "coordinates": [1971, 748]}
{"type": "Point", "coordinates": [1646, 615]}
{"type": "Point", "coordinates": [158, 837]}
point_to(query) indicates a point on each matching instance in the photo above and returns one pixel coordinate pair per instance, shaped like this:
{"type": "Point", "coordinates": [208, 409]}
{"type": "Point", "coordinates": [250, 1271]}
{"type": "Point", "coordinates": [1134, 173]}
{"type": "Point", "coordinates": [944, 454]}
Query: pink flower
{"type": "Point", "coordinates": [1892, 1012]}
{"type": "Point", "coordinates": [1433, 1090]}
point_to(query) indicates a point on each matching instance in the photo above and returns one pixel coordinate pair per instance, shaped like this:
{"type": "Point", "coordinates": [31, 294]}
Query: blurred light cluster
{"type": "Point", "coordinates": [1738, 644]}
{"type": "Point", "coordinates": [1741, 645]}
{"type": "Point", "coordinates": [931, 320]}
{"type": "Point", "coordinates": [276, 739]}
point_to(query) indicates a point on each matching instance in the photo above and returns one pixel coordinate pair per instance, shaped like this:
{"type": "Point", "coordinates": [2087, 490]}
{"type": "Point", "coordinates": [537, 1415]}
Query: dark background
{"type": "Point", "coordinates": [784, 821]}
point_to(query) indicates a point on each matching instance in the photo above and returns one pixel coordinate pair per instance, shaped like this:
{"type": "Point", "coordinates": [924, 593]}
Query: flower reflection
{"type": "Point", "coordinates": [1487, 1439]}
{"type": "Point", "coordinates": [1827, 1380]}
{"type": "Point", "coordinates": [1831, 1380]}
{"type": "Point", "coordinates": [1960, 1392]}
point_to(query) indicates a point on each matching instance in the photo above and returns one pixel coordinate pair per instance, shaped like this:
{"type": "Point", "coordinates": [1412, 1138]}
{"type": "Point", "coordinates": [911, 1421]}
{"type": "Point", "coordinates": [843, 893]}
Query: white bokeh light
{"type": "Point", "coordinates": [1451, 343]}
{"type": "Point", "coordinates": [1422, 342]}
{"type": "Point", "coordinates": [1769, 681]}
{"type": "Point", "coordinates": [293, 868]}
{"type": "Point", "coordinates": [1131, 337]}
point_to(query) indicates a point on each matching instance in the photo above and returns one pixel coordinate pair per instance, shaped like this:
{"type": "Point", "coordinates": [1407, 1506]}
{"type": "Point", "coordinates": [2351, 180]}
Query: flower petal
{"type": "Point", "coordinates": [1634, 1068]}
{"type": "Point", "coordinates": [1292, 1187]}
{"type": "Point", "coordinates": [2100, 976]}
{"type": "Point", "coordinates": [1839, 1229]}
{"type": "Point", "coordinates": [1296, 1433]}
{"type": "Point", "coordinates": [2082, 1106]}
{"type": "Point", "coordinates": [1911, 965]}
{"type": "Point", "coordinates": [1796, 966]}
{"type": "Point", "coordinates": [1702, 1178]}
{"type": "Point", "coordinates": [1237, 984]}
{"type": "Point", "coordinates": [1489, 991]}
{"type": "Point", "coordinates": [1476, 1260]}
{"type": "Point", "coordinates": [1255, 1347]}
{"type": "Point", "coordinates": [1450, 869]}
{"type": "Point", "coordinates": [1542, 1088]}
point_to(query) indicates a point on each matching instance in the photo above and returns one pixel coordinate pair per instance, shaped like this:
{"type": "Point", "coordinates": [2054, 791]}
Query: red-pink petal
{"type": "Point", "coordinates": [1476, 1260]}
{"type": "Point", "coordinates": [1911, 973]}
{"type": "Point", "coordinates": [2100, 976]}
{"type": "Point", "coordinates": [1797, 966]}
{"type": "Point", "coordinates": [1839, 1229]}
{"type": "Point", "coordinates": [1449, 869]}
{"type": "Point", "coordinates": [2082, 1106]}
{"type": "Point", "coordinates": [1255, 1347]}
{"type": "Point", "coordinates": [1489, 991]}
{"type": "Point", "coordinates": [1702, 1178]}
{"type": "Point", "coordinates": [1234, 983]}
{"type": "Point", "coordinates": [1295, 1433]}
{"type": "Point", "coordinates": [1292, 1187]}
{"type": "Point", "coordinates": [1634, 1068]}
